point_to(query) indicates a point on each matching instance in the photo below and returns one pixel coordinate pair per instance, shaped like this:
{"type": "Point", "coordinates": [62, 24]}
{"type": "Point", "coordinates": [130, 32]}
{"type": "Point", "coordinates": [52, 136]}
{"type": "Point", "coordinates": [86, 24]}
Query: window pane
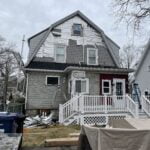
{"type": "Point", "coordinates": [106, 90]}
{"type": "Point", "coordinates": [77, 29]}
{"type": "Point", "coordinates": [92, 56]}
{"type": "Point", "coordinates": [92, 53]}
{"type": "Point", "coordinates": [60, 53]}
{"type": "Point", "coordinates": [78, 86]}
{"type": "Point", "coordinates": [52, 80]}
{"type": "Point", "coordinates": [83, 86]}
{"type": "Point", "coordinates": [106, 84]}
{"type": "Point", "coordinates": [119, 88]}
{"type": "Point", "coordinates": [92, 60]}
{"type": "Point", "coordinates": [60, 58]}
{"type": "Point", "coordinates": [60, 50]}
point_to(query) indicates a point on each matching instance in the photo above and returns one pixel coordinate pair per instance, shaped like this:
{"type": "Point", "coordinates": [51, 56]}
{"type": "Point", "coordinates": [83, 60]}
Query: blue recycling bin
{"type": "Point", "coordinates": [11, 123]}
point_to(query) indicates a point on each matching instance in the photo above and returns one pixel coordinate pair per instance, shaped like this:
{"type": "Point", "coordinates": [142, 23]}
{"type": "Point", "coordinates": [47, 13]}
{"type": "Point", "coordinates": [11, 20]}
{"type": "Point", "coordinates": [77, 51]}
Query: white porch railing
{"type": "Point", "coordinates": [69, 108]}
{"type": "Point", "coordinates": [132, 106]}
{"type": "Point", "coordinates": [90, 104]}
{"type": "Point", "coordinates": [146, 104]}
{"type": "Point", "coordinates": [103, 104]}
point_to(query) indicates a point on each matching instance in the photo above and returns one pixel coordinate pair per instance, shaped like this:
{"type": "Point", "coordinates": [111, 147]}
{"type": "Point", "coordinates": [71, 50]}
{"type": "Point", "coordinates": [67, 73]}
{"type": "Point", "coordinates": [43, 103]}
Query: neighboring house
{"type": "Point", "coordinates": [74, 63]}
{"type": "Point", "coordinates": [142, 74]}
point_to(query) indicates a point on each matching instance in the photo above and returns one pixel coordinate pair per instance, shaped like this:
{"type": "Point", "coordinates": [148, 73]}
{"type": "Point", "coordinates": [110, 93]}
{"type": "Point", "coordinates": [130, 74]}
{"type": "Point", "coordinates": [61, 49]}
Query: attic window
{"type": "Point", "coordinates": [77, 29]}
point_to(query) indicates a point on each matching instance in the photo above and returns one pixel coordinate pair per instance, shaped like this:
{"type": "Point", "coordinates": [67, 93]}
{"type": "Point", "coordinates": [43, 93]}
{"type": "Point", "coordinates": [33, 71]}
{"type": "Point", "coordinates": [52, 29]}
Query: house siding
{"type": "Point", "coordinates": [75, 44]}
{"type": "Point", "coordinates": [42, 96]}
{"type": "Point", "coordinates": [143, 75]}
{"type": "Point", "coordinates": [94, 83]}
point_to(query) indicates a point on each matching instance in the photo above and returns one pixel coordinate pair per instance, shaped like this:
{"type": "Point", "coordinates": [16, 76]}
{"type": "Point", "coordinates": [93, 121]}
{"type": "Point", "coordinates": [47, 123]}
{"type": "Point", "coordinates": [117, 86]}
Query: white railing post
{"type": "Point", "coordinates": [127, 101]}
{"type": "Point", "coordinates": [81, 120]}
{"type": "Point", "coordinates": [60, 113]}
{"type": "Point", "coordinates": [105, 102]}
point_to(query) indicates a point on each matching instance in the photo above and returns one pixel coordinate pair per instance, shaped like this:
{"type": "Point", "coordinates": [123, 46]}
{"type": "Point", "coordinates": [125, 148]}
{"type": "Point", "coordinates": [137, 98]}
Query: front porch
{"type": "Point", "coordinates": [97, 109]}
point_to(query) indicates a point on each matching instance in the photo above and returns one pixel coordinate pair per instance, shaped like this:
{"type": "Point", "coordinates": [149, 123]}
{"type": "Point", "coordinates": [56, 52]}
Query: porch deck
{"type": "Point", "coordinates": [96, 106]}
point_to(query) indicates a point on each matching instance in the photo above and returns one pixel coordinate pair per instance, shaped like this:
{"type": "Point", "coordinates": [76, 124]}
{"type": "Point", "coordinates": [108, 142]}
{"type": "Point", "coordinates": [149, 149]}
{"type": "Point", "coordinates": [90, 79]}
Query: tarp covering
{"type": "Point", "coordinates": [93, 138]}
{"type": "Point", "coordinates": [130, 123]}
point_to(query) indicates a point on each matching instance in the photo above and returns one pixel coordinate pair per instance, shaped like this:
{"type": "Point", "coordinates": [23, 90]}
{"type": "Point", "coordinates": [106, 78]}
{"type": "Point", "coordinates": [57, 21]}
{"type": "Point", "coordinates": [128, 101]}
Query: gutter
{"type": "Point", "coordinates": [43, 70]}
{"type": "Point", "coordinates": [70, 68]}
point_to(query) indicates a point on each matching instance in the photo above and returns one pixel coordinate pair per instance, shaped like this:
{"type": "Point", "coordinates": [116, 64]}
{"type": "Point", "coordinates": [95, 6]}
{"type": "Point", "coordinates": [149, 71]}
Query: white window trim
{"type": "Point", "coordinates": [88, 56]}
{"type": "Point", "coordinates": [87, 87]}
{"type": "Point", "coordinates": [55, 46]}
{"type": "Point", "coordinates": [52, 84]}
{"type": "Point", "coordinates": [103, 87]}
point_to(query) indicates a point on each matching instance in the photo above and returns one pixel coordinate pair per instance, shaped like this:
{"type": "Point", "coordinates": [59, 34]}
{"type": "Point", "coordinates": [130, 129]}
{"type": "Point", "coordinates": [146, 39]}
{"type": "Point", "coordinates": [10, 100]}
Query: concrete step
{"type": "Point", "coordinates": [71, 141]}
{"type": "Point", "coordinates": [74, 134]}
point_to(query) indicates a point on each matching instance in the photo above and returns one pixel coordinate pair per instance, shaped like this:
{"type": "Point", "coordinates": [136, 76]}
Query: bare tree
{"type": "Point", "coordinates": [10, 62]}
{"type": "Point", "coordinates": [129, 55]}
{"type": "Point", "coordinates": [133, 12]}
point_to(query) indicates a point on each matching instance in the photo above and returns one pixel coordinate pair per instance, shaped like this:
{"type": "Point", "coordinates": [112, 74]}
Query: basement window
{"type": "Point", "coordinates": [77, 29]}
{"type": "Point", "coordinates": [52, 80]}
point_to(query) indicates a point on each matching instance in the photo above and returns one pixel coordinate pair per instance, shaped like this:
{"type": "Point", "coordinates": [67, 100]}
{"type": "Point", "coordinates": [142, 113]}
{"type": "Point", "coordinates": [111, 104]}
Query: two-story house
{"type": "Point", "coordinates": [73, 67]}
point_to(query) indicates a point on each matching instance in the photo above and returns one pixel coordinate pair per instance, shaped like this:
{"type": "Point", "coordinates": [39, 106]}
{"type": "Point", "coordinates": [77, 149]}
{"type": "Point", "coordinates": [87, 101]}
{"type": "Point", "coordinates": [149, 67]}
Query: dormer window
{"type": "Point", "coordinates": [92, 55]}
{"type": "Point", "coordinates": [77, 29]}
{"type": "Point", "coordinates": [60, 53]}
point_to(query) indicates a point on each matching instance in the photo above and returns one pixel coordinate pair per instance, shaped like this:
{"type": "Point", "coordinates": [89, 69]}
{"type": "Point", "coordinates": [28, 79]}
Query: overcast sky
{"type": "Point", "coordinates": [27, 17]}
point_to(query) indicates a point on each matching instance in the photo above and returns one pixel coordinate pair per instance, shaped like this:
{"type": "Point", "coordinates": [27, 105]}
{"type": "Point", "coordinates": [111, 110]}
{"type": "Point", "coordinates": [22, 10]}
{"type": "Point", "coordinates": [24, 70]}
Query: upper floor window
{"type": "Point", "coordinates": [60, 53]}
{"type": "Point", "coordinates": [92, 56]}
{"type": "Point", "coordinates": [77, 29]}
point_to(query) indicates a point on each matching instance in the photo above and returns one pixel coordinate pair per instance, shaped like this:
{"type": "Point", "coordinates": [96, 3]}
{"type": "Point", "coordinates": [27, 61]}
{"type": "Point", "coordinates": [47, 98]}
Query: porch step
{"type": "Point", "coordinates": [74, 134]}
{"type": "Point", "coordinates": [71, 141]}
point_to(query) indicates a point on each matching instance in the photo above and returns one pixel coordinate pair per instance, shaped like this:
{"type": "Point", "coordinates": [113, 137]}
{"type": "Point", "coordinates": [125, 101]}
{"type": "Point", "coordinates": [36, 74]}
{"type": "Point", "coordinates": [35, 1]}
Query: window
{"type": "Point", "coordinates": [81, 86]}
{"type": "Point", "coordinates": [77, 29]}
{"type": "Point", "coordinates": [106, 86]}
{"type": "Point", "coordinates": [60, 53]}
{"type": "Point", "coordinates": [52, 80]}
{"type": "Point", "coordinates": [92, 56]}
{"type": "Point", "coordinates": [119, 88]}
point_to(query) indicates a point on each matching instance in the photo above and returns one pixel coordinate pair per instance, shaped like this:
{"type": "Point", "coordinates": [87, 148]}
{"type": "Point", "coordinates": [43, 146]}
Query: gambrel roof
{"type": "Point", "coordinates": [147, 49]}
{"type": "Point", "coordinates": [41, 37]}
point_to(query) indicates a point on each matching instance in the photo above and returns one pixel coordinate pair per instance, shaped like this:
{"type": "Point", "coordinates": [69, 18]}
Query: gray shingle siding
{"type": "Point", "coordinates": [74, 54]}
{"type": "Point", "coordinates": [42, 96]}
{"type": "Point", "coordinates": [33, 42]}
{"type": "Point", "coordinates": [94, 83]}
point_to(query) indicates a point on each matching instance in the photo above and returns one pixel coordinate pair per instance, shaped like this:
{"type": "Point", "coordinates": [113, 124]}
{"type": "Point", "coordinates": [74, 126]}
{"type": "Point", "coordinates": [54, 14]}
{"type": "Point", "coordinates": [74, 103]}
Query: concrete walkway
{"type": "Point", "coordinates": [52, 148]}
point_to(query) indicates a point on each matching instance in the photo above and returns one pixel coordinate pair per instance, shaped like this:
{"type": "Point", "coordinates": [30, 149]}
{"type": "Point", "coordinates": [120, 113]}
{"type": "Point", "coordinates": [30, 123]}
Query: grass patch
{"type": "Point", "coordinates": [35, 137]}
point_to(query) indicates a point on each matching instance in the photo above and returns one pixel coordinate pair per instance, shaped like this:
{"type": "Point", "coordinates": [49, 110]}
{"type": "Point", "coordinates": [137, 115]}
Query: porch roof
{"type": "Point", "coordinates": [65, 67]}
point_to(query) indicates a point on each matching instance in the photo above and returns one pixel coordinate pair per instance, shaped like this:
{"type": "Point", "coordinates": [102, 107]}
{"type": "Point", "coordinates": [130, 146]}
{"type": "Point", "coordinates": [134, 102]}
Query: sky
{"type": "Point", "coordinates": [28, 17]}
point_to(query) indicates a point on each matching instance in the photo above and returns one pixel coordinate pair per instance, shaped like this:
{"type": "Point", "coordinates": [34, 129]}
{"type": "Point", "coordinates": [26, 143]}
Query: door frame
{"type": "Point", "coordinates": [115, 80]}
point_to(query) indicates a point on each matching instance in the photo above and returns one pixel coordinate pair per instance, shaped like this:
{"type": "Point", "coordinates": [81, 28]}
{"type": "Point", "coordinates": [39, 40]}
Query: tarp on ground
{"type": "Point", "coordinates": [130, 123]}
{"type": "Point", "coordinates": [127, 137]}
